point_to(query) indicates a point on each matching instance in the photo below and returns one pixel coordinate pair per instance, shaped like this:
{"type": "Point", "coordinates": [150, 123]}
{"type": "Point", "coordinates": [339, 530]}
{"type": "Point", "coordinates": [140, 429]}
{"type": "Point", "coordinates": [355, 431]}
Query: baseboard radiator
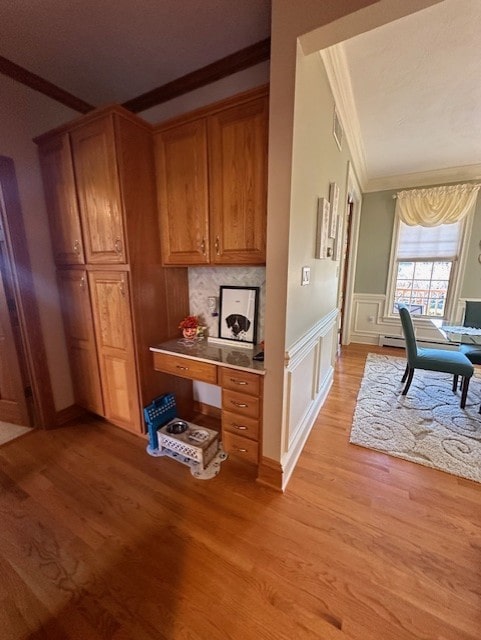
{"type": "Point", "coordinates": [398, 341]}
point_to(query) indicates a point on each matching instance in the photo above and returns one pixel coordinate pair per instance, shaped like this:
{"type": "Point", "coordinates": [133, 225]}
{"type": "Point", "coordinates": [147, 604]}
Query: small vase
{"type": "Point", "coordinates": [189, 333]}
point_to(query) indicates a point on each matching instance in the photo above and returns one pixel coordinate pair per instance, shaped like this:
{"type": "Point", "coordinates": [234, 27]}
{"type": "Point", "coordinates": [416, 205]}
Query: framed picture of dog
{"type": "Point", "coordinates": [238, 310]}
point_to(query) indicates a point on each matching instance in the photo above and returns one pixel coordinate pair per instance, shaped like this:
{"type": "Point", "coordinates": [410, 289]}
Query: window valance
{"type": "Point", "coordinates": [437, 205]}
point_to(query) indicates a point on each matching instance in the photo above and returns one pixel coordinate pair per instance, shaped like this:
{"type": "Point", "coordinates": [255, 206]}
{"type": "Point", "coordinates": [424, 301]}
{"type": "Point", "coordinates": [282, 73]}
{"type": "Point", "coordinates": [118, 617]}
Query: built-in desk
{"type": "Point", "coordinates": [240, 377]}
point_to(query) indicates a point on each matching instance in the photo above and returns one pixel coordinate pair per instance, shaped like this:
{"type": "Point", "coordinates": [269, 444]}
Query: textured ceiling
{"type": "Point", "coordinates": [105, 51]}
{"type": "Point", "coordinates": [417, 90]}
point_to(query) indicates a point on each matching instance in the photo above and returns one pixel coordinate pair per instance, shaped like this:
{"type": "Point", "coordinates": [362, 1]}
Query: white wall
{"type": "Point", "coordinates": [25, 114]}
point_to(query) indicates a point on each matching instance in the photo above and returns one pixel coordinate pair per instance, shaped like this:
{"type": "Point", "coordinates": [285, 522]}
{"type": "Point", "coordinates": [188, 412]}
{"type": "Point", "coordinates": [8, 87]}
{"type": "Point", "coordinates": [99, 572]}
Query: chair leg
{"type": "Point", "coordinates": [409, 380]}
{"type": "Point", "coordinates": [455, 383]}
{"type": "Point", "coordinates": [464, 393]}
{"type": "Point", "coordinates": [405, 375]}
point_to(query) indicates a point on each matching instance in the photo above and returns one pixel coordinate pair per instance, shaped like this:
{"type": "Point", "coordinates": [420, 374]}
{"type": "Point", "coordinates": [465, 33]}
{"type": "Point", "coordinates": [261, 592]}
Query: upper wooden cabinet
{"type": "Point", "coordinates": [183, 193]}
{"type": "Point", "coordinates": [82, 190]}
{"type": "Point", "coordinates": [212, 183]}
{"type": "Point", "coordinates": [98, 191]}
{"type": "Point", "coordinates": [61, 197]}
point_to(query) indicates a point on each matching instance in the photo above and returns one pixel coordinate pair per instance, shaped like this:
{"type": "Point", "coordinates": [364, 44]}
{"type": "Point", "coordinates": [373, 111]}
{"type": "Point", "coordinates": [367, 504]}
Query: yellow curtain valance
{"type": "Point", "coordinates": [438, 205]}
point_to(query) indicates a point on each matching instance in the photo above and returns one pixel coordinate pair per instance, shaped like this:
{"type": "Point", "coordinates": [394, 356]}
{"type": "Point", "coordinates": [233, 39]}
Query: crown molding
{"type": "Point", "coordinates": [424, 178]}
{"type": "Point", "coordinates": [335, 63]}
{"type": "Point", "coordinates": [29, 79]}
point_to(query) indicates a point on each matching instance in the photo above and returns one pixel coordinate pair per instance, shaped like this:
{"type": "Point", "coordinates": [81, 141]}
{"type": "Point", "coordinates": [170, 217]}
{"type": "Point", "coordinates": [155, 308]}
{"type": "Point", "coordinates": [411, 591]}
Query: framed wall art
{"type": "Point", "coordinates": [334, 200]}
{"type": "Point", "coordinates": [337, 130]}
{"type": "Point", "coordinates": [238, 311]}
{"type": "Point", "coordinates": [322, 239]}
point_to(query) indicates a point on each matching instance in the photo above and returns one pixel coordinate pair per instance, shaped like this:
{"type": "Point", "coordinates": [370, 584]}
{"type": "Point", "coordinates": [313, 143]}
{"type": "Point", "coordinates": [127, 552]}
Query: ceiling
{"type": "Point", "coordinates": [416, 93]}
{"type": "Point", "coordinates": [409, 93]}
{"type": "Point", "coordinates": [110, 51]}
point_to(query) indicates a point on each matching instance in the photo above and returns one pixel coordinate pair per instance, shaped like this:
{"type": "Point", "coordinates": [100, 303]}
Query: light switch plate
{"type": "Point", "coordinates": [306, 276]}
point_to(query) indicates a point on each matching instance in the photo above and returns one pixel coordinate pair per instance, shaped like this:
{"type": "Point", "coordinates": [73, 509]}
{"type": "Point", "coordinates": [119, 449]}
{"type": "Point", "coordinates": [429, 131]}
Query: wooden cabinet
{"type": "Point", "coordinates": [241, 413]}
{"type": "Point", "coordinates": [61, 198]}
{"type": "Point", "coordinates": [116, 297]}
{"type": "Point", "coordinates": [115, 346]}
{"type": "Point", "coordinates": [79, 330]}
{"type": "Point", "coordinates": [183, 194]}
{"type": "Point", "coordinates": [98, 191]}
{"type": "Point", "coordinates": [212, 183]}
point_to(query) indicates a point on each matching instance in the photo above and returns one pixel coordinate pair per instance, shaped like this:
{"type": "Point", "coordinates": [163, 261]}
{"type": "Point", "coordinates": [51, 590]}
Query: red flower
{"type": "Point", "coordinates": [190, 322]}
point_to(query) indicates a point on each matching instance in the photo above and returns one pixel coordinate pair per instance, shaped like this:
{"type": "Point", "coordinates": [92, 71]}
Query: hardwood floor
{"type": "Point", "coordinates": [100, 541]}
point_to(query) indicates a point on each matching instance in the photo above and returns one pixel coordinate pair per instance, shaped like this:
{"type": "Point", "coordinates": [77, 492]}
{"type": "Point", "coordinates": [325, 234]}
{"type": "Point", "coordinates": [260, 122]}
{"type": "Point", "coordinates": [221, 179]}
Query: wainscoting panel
{"type": "Point", "coordinates": [370, 324]}
{"type": "Point", "coordinates": [308, 378]}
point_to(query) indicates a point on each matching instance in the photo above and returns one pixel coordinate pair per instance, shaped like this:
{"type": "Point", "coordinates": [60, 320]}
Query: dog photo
{"type": "Point", "coordinates": [238, 313]}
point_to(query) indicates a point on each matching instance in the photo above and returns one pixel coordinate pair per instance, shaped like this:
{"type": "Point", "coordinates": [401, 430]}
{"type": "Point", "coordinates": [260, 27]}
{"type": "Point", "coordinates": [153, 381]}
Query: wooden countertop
{"type": "Point", "coordinates": [225, 355]}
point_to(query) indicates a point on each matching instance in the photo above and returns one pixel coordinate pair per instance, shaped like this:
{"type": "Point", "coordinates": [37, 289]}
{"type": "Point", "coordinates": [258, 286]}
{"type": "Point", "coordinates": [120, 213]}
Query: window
{"type": "Point", "coordinates": [425, 267]}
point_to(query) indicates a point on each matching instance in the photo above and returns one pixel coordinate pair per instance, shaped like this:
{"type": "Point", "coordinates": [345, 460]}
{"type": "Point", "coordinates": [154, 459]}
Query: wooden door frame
{"type": "Point", "coordinates": [353, 192]}
{"type": "Point", "coordinates": [24, 291]}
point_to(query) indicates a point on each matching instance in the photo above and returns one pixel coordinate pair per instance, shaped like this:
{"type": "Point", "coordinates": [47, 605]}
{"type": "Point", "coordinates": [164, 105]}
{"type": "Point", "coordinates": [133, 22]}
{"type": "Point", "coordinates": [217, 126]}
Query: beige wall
{"type": "Point", "coordinates": [25, 114]}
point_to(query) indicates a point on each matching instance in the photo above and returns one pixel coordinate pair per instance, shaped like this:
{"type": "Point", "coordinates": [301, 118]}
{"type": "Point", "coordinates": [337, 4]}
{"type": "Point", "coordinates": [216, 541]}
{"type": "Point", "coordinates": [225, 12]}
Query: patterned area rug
{"type": "Point", "coordinates": [427, 426]}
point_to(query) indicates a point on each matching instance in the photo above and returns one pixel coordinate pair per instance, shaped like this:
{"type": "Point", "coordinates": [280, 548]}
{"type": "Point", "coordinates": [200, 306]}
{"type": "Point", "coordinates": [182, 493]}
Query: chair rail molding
{"type": "Point", "coordinates": [372, 324]}
{"type": "Point", "coordinates": [308, 378]}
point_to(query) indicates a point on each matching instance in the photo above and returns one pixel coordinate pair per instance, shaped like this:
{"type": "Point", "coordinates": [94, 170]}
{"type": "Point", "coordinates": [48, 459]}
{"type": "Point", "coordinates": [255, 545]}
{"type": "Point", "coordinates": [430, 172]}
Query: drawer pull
{"type": "Point", "coordinates": [182, 368]}
{"type": "Point", "coordinates": [240, 427]}
{"type": "Point", "coordinates": [241, 405]}
{"type": "Point", "coordinates": [241, 382]}
{"type": "Point", "coordinates": [241, 450]}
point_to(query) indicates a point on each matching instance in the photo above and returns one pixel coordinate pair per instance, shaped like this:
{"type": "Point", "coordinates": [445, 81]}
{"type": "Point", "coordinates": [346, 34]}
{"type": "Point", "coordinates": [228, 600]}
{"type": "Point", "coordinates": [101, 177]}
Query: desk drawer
{"type": "Point", "coordinates": [241, 381]}
{"type": "Point", "coordinates": [240, 425]}
{"type": "Point", "coordinates": [185, 367]}
{"type": "Point", "coordinates": [240, 403]}
{"type": "Point", "coordinates": [240, 447]}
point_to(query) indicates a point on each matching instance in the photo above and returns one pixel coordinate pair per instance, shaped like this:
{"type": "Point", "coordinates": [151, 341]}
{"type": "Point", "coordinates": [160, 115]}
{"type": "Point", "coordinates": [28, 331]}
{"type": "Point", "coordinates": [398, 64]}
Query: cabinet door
{"type": "Point", "coordinates": [238, 183]}
{"type": "Point", "coordinates": [79, 329]}
{"type": "Point", "coordinates": [98, 190]}
{"type": "Point", "coordinates": [115, 347]}
{"type": "Point", "coordinates": [61, 198]}
{"type": "Point", "coordinates": [181, 158]}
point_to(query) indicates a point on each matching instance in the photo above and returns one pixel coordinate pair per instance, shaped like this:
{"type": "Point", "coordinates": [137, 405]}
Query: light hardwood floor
{"type": "Point", "coordinates": [100, 541]}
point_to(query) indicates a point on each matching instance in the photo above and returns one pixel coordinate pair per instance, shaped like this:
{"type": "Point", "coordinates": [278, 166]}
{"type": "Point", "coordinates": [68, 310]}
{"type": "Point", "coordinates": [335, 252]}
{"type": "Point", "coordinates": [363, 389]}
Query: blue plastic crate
{"type": "Point", "coordinates": [159, 412]}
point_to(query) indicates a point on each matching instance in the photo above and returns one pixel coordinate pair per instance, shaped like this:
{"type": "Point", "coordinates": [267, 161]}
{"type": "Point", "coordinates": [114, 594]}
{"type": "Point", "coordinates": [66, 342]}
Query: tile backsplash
{"type": "Point", "coordinates": [206, 281]}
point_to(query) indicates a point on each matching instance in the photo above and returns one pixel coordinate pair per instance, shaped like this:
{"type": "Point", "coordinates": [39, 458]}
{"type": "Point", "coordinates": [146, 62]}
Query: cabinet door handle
{"type": "Point", "coordinates": [241, 450]}
{"type": "Point", "coordinates": [118, 245]}
{"type": "Point", "coordinates": [182, 368]}
{"type": "Point", "coordinates": [241, 382]}
{"type": "Point", "coordinates": [202, 246]}
{"type": "Point", "coordinates": [76, 247]}
{"type": "Point", "coordinates": [122, 288]}
{"type": "Point", "coordinates": [217, 244]}
{"type": "Point", "coordinates": [242, 405]}
{"type": "Point", "coordinates": [240, 427]}
{"type": "Point", "coordinates": [82, 283]}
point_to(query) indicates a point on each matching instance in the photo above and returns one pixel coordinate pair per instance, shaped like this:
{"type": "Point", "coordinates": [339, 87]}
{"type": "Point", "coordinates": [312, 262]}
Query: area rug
{"type": "Point", "coordinates": [427, 426]}
{"type": "Point", "coordinates": [10, 431]}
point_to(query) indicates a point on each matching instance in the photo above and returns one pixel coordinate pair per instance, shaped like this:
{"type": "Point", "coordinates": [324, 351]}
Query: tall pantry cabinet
{"type": "Point", "coordinates": [117, 300]}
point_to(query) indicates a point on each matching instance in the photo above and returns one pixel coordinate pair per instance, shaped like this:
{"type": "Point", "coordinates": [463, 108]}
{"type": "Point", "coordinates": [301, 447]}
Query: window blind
{"type": "Point", "coordinates": [431, 243]}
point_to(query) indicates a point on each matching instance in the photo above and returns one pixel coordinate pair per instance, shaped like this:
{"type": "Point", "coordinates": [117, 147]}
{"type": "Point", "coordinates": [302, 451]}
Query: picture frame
{"type": "Point", "coordinates": [238, 314]}
{"type": "Point", "coordinates": [334, 200]}
{"type": "Point", "coordinates": [322, 238]}
{"type": "Point", "coordinates": [337, 129]}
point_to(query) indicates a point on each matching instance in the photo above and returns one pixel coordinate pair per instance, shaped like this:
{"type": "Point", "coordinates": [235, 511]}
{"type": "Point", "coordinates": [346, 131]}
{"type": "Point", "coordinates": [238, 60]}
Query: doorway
{"type": "Point", "coordinates": [25, 389]}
